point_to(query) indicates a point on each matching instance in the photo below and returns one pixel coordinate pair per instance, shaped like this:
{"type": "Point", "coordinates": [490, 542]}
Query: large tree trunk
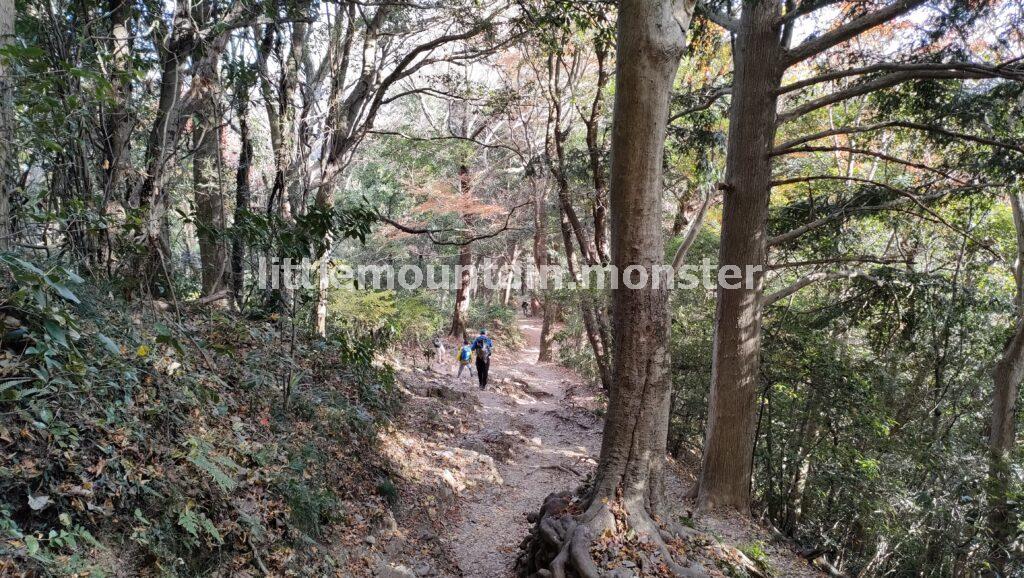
{"type": "Point", "coordinates": [729, 439]}
{"type": "Point", "coordinates": [628, 485]}
{"type": "Point", "coordinates": [206, 168]}
{"type": "Point", "coordinates": [651, 37]}
{"type": "Point", "coordinates": [1006, 377]}
{"type": "Point", "coordinates": [7, 153]}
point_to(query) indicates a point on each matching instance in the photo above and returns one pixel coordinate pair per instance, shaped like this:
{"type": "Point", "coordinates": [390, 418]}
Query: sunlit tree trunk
{"type": "Point", "coordinates": [729, 439]}
{"type": "Point", "coordinates": [651, 38]}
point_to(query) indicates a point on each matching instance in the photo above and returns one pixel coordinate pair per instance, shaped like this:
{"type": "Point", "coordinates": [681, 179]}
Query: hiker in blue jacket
{"type": "Point", "coordinates": [482, 347]}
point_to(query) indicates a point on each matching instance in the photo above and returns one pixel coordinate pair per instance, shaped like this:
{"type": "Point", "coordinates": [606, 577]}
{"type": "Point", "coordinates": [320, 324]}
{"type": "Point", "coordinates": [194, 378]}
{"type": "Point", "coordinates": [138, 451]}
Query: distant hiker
{"type": "Point", "coordinates": [438, 349]}
{"type": "Point", "coordinates": [482, 347]}
{"type": "Point", "coordinates": [526, 308]}
{"type": "Point", "coordinates": [465, 356]}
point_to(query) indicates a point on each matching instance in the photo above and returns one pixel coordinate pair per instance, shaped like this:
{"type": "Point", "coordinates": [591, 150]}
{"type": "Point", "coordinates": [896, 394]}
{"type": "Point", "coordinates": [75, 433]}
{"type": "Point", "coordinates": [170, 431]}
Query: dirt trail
{"type": "Point", "coordinates": [539, 405]}
{"type": "Point", "coordinates": [533, 431]}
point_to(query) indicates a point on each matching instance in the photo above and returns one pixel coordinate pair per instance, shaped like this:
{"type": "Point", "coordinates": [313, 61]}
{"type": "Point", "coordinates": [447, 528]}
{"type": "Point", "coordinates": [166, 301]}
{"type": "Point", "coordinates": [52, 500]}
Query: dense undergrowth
{"type": "Point", "coordinates": [141, 438]}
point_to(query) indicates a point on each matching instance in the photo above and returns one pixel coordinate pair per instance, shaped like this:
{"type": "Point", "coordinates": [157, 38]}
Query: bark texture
{"type": "Point", "coordinates": [1006, 378]}
{"type": "Point", "coordinates": [7, 151]}
{"type": "Point", "coordinates": [630, 473]}
{"type": "Point", "coordinates": [729, 439]}
{"type": "Point", "coordinates": [206, 166]}
{"type": "Point", "coordinates": [461, 309]}
{"type": "Point", "coordinates": [242, 194]}
{"type": "Point", "coordinates": [542, 259]}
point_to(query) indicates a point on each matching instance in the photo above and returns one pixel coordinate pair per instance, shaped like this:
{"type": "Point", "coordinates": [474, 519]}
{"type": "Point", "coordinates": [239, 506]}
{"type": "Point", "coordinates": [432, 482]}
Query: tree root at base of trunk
{"type": "Point", "coordinates": [559, 544]}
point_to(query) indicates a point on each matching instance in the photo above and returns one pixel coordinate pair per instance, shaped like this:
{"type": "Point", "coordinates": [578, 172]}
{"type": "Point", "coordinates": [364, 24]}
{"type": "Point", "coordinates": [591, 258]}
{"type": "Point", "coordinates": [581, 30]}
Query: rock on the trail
{"type": "Point", "coordinates": [398, 571]}
{"type": "Point", "coordinates": [443, 392]}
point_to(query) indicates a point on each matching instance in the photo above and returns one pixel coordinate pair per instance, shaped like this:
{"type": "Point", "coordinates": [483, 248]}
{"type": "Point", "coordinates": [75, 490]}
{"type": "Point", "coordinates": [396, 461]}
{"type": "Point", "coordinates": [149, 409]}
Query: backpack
{"type": "Point", "coordinates": [465, 353]}
{"type": "Point", "coordinates": [483, 347]}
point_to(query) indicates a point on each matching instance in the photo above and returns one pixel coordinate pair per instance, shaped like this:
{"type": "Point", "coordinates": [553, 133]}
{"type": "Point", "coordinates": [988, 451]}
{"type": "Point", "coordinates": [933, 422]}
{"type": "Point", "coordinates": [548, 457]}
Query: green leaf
{"type": "Point", "coordinates": [202, 461]}
{"type": "Point", "coordinates": [63, 291]}
{"type": "Point", "coordinates": [32, 545]}
{"type": "Point", "coordinates": [210, 529]}
{"type": "Point", "coordinates": [56, 332]}
{"type": "Point", "coordinates": [109, 344]}
{"type": "Point", "coordinates": [187, 520]}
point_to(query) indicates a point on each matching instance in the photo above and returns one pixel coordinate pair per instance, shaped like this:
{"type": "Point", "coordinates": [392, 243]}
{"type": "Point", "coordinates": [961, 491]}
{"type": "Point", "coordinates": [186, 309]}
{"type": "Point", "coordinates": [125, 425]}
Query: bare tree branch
{"type": "Point", "coordinates": [886, 81]}
{"type": "Point", "coordinates": [430, 232]}
{"type": "Point", "coordinates": [871, 153]}
{"type": "Point", "coordinates": [832, 260]}
{"type": "Point", "coordinates": [849, 30]}
{"type": "Point", "coordinates": [711, 99]}
{"type": "Point", "coordinates": [844, 212]}
{"type": "Point", "coordinates": [898, 124]}
{"type": "Point", "coordinates": [723, 20]}
{"type": "Point", "coordinates": [812, 278]}
{"type": "Point", "coordinates": [691, 233]}
{"type": "Point", "coordinates": [806, 7]}
{"type": "Point", "coordinates": [1002, 70]}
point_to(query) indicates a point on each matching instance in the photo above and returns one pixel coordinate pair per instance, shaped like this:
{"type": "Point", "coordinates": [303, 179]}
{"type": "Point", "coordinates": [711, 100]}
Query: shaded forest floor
{"type": "Point", "coordinates": [474, 463]}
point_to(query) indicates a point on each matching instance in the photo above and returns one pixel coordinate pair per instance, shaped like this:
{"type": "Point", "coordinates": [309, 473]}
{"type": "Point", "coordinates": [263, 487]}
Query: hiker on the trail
{"type": "Point", "coordinates": [438, 351]}
{"type": "Point", "coordinates": [465, 356]}
{"type": "Point", "coordinates": [526, 308]}
{"type": "Point", "coordinates": [482, 347]}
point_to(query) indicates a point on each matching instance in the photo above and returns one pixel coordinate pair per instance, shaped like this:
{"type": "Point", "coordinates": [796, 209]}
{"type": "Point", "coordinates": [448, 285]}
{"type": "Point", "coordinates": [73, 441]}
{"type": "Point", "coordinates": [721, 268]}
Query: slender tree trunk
{"type": "Point", "coordinates": [729, 439]}
{"type": "Point", "coordinates": [461, 310]}
{"type": "Point", "coordinates": [597, 171]}
{"type": "Point", "coordinates": [542, 259]}
{"type": "Point", "coordinates": [801, 469]}
{"type": "Point", "coordinates": [8, 166]}
{"type": "Point", "coordinates": [1007, 376]}
{"type": "Point", "coordinates": [458, 329]}
{"type": "Point", "coordinates": [512, 262]}
{"type": "Point", "coordinates": [206, 165]}
{"type": "Point", "coordinates": [242, 195]}
{"type": "Point", "coordinates": [151, 196]}
{"type": "Point", "coordinates": [117, 123]}
{"type": "Point", "coordinates": [651, 37]}
{"type": "Point", "coordinates": [572, 227]}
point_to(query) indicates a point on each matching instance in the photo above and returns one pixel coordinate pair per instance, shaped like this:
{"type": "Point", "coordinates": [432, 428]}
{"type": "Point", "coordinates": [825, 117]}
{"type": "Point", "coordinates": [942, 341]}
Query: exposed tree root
{"type": "Point", "coordinates": [559, 545]}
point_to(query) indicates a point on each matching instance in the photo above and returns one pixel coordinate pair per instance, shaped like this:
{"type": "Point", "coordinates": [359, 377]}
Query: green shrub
{"type": "Point", "coordinates": [499, 321]}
